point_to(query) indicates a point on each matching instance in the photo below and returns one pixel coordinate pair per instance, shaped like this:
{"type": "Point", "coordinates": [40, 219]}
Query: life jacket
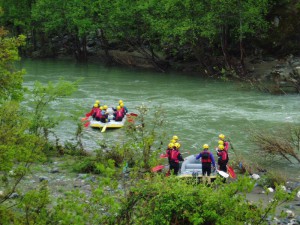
{"type": "Point", "coordinates": [226, 146]}
{"type": "Point", "coordinates": [97, 113]}
{"type": "Point", "coordinates": [174, 155]}
{"type": "Point", "coordinates": [205, 157]}
{"type": "Point", "coordinates": [168, 153]}
{"type": "Point", "coordinates": [223, 155]}
{"type": "Point", "coordinates": [119, 115]}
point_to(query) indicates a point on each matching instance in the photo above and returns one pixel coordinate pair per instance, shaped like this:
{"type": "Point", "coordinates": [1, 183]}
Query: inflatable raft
{"type": "Point", "coordinates": [193, 168]}
{"type": "Point", "coordinates": [111, 124]}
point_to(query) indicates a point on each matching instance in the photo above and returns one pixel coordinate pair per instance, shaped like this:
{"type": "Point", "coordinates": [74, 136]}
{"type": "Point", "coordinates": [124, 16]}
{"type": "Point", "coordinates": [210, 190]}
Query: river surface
{"type": "Point", "coordinates": [197, 109]}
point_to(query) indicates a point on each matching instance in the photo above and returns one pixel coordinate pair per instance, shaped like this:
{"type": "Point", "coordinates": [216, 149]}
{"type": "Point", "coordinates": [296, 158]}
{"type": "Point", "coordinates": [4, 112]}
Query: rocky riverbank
{"type": "Point", "coordinates": [61, 178]}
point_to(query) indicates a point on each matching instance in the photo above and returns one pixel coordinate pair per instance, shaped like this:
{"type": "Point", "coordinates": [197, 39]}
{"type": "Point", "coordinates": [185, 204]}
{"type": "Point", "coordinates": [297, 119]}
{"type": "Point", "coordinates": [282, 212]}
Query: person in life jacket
{"type": "Point", "coordinates": [93, 111]}
{"type": "Point", "coordinates": [222, 158]}
{"type": "Point", "coordinates": [169, 150]}
{"type": "Point", "coordinates": [207, 159]}
{"type": "Point", "coordinates": [123, 108]}
{"type": "Point", "coordinates": [175, 158]}
{"type": "Point", "coordinates": [225, 143]}
{"type": "Point", "coordinates": [118, 115]}
{"type": "Point", "coordinates": [103, 117]}
{"type": "Point", "coordinates": [97, 113]}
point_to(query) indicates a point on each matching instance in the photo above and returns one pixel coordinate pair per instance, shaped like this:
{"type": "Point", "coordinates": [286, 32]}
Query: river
{"type": "Point", "coordinates": [197, 109]}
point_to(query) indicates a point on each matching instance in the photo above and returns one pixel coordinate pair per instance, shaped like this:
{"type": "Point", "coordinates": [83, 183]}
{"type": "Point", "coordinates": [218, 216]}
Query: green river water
{"type": "Point", "coordinates": [197, 109]}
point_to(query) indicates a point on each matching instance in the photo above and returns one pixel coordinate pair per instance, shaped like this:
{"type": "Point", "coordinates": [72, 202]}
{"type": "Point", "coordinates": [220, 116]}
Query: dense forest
{"type": "Point", "coordinates": [211, 36]}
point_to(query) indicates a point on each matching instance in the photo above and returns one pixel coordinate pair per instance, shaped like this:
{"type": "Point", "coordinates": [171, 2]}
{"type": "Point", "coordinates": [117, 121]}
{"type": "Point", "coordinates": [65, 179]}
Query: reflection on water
{"type": "Point", "coordinates": [197, 109]}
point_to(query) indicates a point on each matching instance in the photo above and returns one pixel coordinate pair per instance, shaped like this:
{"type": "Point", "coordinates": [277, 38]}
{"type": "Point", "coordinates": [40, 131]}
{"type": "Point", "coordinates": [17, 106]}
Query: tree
{"type": "Point", "coordinates": [66, 18]}
{"type": "Point", "coordinates": [10, 79]}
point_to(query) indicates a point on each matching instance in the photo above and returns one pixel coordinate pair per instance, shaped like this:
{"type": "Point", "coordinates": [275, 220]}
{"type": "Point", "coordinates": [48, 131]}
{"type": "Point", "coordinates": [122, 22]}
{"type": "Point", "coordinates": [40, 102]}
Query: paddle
{"type": "Point", "coordinates": [157, 168]}
{"type": "Point", "coordinates": [87, 124]}
{"type": "Point", "coordinates": [231, 172]}
{"type": "Point", "coordinates": [104, 128]}
{"type": "Point", "coordinates": [222, 173]}
{"type": "Point", "coordinates": [84, 119]}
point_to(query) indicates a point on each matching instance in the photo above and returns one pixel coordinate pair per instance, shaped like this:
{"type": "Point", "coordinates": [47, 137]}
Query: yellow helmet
{"type": "Point", "coordinates": [222, 136]}
{"type": "Point", "coordinates": [95, 105]}
{"type": "Point", "coordinates": [101, 107]}
{"type": "Point", "coordinates": [170, 145]}
{"type": "Point", "coordinates": [175, 137]}
{"type": "Point", "coordinates": [122, 105]}
{"type": "Point", "coordinates": [221, 147]}
{"type": "Point", "coordinates": [120, 101]}
{"type": "Point", "coordinates": [97, 102]}
{"type": "Point", "coordinates": [173, 141]}
{"type": "Point", "coordinates": [105, 107]}
{"type": "Point", "coordinates": [220, 142]}
{"type": "Point", "coordinates": [205, 146]}
{"type": "Point", "coordinates": [118, 107]}
{"type": "Point", "coordinates": [177, 145]}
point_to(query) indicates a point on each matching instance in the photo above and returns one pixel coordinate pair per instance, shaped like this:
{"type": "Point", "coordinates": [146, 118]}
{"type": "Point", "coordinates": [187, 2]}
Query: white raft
{"type": "Point", "coordinates": [191, 167]}
{"type": "Point", "coordinates": [111, 124]}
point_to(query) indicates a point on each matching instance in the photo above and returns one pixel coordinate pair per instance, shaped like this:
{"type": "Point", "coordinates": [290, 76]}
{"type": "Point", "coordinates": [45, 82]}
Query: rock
{"type": "Point", "coordinates": [1, 193]}
{"type": "Point", "coordinates": [283, 187]}
{"type": "Point", "coordinates": [54, 170]}
{"type": "Point", "coordinates": [43, 178]}
{"type": "Point", "coordinates": [14, 195]}
{"type": "Point", "coordinates": [290, 214]}
{"type": "Point", "coordinates": [298, 194]}
{"type": "Point", "coordinates": [270, 189]}
{"type": "Point", "coordinates": [255, 176]}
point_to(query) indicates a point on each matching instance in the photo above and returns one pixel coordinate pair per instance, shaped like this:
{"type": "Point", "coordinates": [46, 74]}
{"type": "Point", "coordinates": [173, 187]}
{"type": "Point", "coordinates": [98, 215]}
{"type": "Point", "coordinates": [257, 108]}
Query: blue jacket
{"type": "Point", "coordinates": [211, 157]}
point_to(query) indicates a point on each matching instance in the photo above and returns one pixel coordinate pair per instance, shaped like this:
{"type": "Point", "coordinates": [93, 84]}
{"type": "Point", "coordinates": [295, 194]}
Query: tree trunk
{"type": "Point", "coordinates": [224, 45]}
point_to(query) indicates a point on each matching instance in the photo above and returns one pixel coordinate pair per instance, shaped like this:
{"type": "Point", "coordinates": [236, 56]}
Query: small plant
{"type": "Point", "coordinates": [271, 179]}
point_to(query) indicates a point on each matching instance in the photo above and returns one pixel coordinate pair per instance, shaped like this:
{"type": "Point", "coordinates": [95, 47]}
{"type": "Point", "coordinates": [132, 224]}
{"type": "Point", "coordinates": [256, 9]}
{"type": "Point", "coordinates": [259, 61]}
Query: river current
{"type": "Point", "coordinates": [197, 109]}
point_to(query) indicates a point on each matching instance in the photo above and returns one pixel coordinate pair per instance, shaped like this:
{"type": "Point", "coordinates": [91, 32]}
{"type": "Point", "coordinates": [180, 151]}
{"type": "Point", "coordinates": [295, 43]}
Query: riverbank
{"type": "Point", "coordinates": [61, 177]}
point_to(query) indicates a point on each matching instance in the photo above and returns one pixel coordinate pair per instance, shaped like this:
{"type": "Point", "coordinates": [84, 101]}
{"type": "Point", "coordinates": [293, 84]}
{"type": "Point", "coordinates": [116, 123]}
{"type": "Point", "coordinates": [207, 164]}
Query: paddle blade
{"type": "Point", "coordinates": [157, 168]}
{"type": "Point", "coordinates": [133, 114]}
{"type": "Point", "coordinates": [86, 124]}
{"type": "Point", "coordinates": [223, 174]}
{"type": "Point", "coordinates": [231, 172]}
{"type": "Point", "coordinates": [84, 119]}
{"type": "Point", "coordinates": [104, 129]}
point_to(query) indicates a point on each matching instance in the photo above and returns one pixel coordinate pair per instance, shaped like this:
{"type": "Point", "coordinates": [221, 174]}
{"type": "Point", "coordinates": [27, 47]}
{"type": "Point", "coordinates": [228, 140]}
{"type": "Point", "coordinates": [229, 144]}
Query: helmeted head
{"type": "Point", "coordinates": [120, 101]}
{"type": "Point", "coordinates": [220, 142]}
{"type": "Point", "coordinates": [118, 107]}
{"type": "Point", "coordinates": [177, 145]}
{"type": "Point", "coordinates": [170, 145]}
{"type": "Point", "coordinates": [222, 137]}
{"type": "Point", "coordinates": [173, 141]}
{"type": "Point", "coordinates": [122, 105]}
{"type": "Point", "coordinates": [97, 102]}
{"type": "Point", "coordinates": [205, 146]}
{"type": "Point", "coordinates": [175, 138]}
{"type": "Point", "coordinates": [95, 105]}
{"type": "Point", "coordinates": [101, 107]}
{"type": "Point", "coordinates": [221, 147]}
{"type": "Point", "coordinates": [105, 107]}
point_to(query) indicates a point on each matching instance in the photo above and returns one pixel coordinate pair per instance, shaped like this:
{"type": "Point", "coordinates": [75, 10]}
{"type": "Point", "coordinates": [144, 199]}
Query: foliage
{"type": "Point", "coordinates": [281, 142]}
{"type": "Point", "coordinates": [10, 79]}
{"type": "Point", "coordinates": [42, 97]}
{"type": "Point", "coordinates": [272, 178]}
{"type": "Point", "coordinates": [158, 200]}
